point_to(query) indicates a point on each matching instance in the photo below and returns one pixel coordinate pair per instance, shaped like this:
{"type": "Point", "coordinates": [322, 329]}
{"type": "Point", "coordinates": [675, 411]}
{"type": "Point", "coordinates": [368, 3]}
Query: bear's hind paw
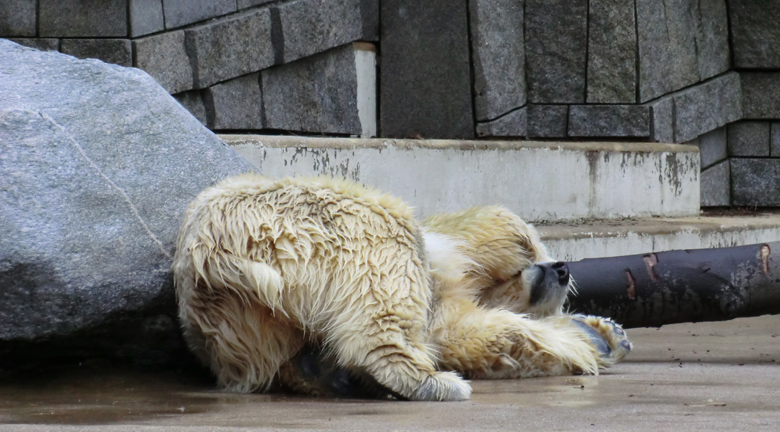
{"type": "Point", "coordinates": [443, 386]}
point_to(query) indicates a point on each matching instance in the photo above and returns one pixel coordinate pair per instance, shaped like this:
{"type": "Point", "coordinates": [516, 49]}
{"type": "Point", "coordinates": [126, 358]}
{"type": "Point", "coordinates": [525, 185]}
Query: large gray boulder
{"type": "Point", "coordinates": [97, 165]}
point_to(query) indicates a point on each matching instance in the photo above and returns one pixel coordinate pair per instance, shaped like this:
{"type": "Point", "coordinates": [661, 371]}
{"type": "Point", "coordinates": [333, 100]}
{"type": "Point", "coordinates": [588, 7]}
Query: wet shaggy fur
{"type": "Point", "coordinates": [264, 267]}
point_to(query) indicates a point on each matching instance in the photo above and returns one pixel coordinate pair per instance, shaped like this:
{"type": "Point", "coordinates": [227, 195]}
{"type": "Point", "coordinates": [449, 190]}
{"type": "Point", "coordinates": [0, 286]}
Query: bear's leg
{"type": "Point", "coordinates": [313, 371]}
{"type": "Point", "coordinates": [396, 357]}
{"type": "Point", "coordinates": [387, 338]}
{"type": "Point", "coordinates": [248, 344]}
{"type": "Point", "coordinates": [492, 343]}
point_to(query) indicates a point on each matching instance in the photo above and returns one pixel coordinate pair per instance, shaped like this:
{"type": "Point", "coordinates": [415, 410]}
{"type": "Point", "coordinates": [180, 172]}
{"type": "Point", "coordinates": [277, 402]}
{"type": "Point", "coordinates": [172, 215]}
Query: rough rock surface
{"type": "Point", "coordinates": [417, 101]}
{"type": "Point", "coordinates": [514, 124]}
{"type": "Point", "coordinates": [715, 185]}
{"type": "Point", "coordinates": [546, 121]}
{"type": "Point", "coordinates": [116, 51]}
{"type": "Point", "coordinates": [667, 47]}
{"type": "Point", "coordinates": [82, 18]}
{"type": "Point", "coordinates": [97, 165]}
{"type": "Point", "coordinates": [294, 94]}
{"type": "Point", "coordinates": [611, 52]}
{"type": "Point", "coordinates": [707, 106]}
{"type": "Point", "coordinates": [609, 121]}
{"type": "Point", "coordinates": [749, 138]}
{"type": "Point", "coordinates": [556, 34]}
{"type": "Point", "coordinates": [759, 90]}
{"type": "Point", "coordinates": [713, 146]}
{"type": "Point", "coordinates": [755, 182]}
{"type": "Point", "coordinates": [775, 140]}
{"type": "Point", "coordinates": [498, 56]}
{"type": "Point", "coordinates": [755, 33]}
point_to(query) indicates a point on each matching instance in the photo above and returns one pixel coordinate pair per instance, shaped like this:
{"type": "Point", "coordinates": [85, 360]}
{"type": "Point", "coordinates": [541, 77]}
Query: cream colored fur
{"type": "Point", "coordinates": [263, 266]}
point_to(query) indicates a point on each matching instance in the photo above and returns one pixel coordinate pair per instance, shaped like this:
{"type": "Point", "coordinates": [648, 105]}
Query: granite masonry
{"type": "Point", "coordinates": [214, 56]}
{"type": "Point", "coordinates": [680, 71]}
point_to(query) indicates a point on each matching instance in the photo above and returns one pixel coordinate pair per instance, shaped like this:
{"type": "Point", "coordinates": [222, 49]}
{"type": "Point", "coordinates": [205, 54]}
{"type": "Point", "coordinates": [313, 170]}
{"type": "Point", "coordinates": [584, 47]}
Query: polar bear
{"type": "Point", "coordinates": [267, 268]}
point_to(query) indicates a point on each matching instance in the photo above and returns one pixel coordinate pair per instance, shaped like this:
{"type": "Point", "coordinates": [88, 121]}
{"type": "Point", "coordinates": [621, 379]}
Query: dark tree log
{"type": "Point", "coordinates": [654, 289]}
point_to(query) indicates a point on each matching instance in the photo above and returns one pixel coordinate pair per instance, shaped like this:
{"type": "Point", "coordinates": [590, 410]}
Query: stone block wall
{"type": "Point", "coordinates": [238, 65]}
{"type": "Point", "coordinates": [683, 71]}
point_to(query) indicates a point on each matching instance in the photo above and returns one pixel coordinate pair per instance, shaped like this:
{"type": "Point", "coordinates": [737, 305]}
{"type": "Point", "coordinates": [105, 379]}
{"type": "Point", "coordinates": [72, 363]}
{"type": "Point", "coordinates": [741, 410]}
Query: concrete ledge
{"type": "Point", "coordinates": [541, 181]}
{"type": "Point", "coordinates": [576, 241]}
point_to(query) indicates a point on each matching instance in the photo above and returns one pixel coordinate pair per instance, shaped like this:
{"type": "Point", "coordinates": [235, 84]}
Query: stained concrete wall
{"type": "Point", "coordinates": [573, 242]}
{"type": "Point", "coordinates": [540, 181]}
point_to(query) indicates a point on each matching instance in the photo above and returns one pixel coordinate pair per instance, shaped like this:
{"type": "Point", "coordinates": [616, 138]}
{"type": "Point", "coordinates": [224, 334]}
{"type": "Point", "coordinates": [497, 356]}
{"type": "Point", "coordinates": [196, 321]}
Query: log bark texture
{"type": "Point", "coordinates": [654, 289]}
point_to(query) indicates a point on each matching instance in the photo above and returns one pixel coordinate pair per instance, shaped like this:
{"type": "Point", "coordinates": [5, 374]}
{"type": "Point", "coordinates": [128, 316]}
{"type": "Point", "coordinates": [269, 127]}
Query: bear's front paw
{"type": "Point", "coordinates": [606, 336]}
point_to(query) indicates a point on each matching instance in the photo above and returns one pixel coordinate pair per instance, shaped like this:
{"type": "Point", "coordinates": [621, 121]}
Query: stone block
{"type": "Point", "coordinates": [755, 33]}
{"type": "Point", "coordinates": [755, 182]}
{"type": "Point", "coordinates": [182, 12]}
{"type": "Point", "coordinates": [514, 124]}
{"type": "Point", "coordinates": [312, 26]}
{"type": "Point", "coordinates": [498, 56]}
{"type": "Point", "coordinates": [165, 58]}
{"type": "Point", "coordinates": [116, 51]}
{"type": "Point", "coordinates": [749, 138]}
{"type": "Point", "coordinates": [716, 185]}
{"type": "Point", "coordinates": [663, 120]}
{"type": "Point", "coordinates": [433, 101]}
{"type": "Point", "coordinates": [97, 166]}
{"type": "Point", "coordinates": [82, 18]}
{"type": "Point", "coordinates": [667, 46]}
{"type": "Point", "coordinates": [369, 10]}
{"type": "Point", "coordinates": [222, 50]}
{"type": "Point", "coordinates": [712, 38]}
{"type": "Point", "coordinates": [611, 52]}
{"type": "Point", "coordinates": [235, 104]}
{"type": "Point", "coordinates": [775, 140]}
{"type": "Point", "coordinates": [547, 121]}
{"type": "Point", "coordinates": [43, 44]}
{"type": "Point", "coordinates": [243, 4]}
{"type": "Point", "coordinates": [760, 92]}
{"type": "Point", "coordinates": [556, 37]}
{"type": "Point", "coordinates": [319, 93]}
{"type": "Point", "coordinates": [146, 16]}
{"type": "Point", "coordinates": [18, 18]}
{"type": "Point", "coordinates": [193, 101]}
{"type": "Point", "coordinates": [610, 121]}
{"type": "Point", "coordinates": [707, 106]}
{"type": "Point", "coordinates": [713, 146]}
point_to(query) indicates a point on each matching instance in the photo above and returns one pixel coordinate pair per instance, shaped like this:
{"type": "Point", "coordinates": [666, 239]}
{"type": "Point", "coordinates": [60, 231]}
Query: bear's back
{"type": "Point", "coordinates": [353, 236]}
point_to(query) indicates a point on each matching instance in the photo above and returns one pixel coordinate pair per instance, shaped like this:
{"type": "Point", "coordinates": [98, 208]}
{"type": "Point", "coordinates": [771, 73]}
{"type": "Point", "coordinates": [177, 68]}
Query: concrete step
{"type": "Point", "coordinates": [595, 239]}
{"type": "Point", "coordinates": [540, 181]}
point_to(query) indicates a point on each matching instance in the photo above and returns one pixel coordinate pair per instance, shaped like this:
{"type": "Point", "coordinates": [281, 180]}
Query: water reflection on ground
{"type": "Point", "coordinates": [707, 376]}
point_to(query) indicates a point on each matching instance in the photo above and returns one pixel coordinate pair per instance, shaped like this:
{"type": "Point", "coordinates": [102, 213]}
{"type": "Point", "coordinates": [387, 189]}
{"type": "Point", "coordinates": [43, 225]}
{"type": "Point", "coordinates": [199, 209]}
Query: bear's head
{"type": "Point", "coordinates": [510, 267]}
{"type": "Point", "coordinates": [538, 285]}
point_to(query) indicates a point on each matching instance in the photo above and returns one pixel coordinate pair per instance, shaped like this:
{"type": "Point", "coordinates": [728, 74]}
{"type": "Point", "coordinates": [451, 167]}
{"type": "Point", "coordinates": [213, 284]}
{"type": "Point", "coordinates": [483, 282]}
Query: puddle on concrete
{"type": "Point", "coordinates": [97, 396]}
{"type": "Point", "coordinates": [89, 396]}
{"type": "Point", "coordinates": [662, 383]}
{"type": "Point", "coordinates": [94, 396]}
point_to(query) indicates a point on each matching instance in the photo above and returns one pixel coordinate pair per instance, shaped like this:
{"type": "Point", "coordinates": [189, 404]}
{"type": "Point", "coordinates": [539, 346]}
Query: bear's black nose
{"type": "Point", "coordinates": [563, 272]}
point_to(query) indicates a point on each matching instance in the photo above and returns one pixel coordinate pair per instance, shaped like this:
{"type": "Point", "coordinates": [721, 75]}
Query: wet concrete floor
{"type": "Point", "coordinates": [708, 376]}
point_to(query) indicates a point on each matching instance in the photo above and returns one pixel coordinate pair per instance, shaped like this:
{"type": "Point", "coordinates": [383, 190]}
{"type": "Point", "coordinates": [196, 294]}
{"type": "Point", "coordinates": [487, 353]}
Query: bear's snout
{"type": "Point", "coordinates": [562, 270]}
{"type": "Point", "coordinates": [549, 281]}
